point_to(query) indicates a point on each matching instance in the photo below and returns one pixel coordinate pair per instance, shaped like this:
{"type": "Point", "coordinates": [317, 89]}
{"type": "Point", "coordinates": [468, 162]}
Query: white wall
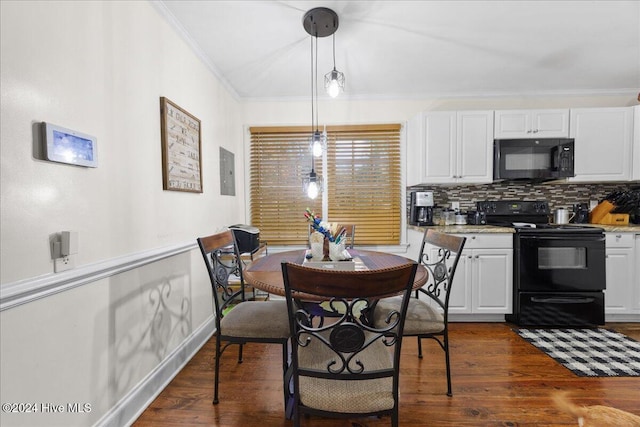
{"type": "Point", "coordinates": [100, 67]}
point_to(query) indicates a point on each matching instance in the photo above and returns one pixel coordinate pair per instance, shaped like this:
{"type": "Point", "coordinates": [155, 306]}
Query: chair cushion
{"type": "Point", "coordinates": [421, 317]}
{"type": "Point", "coordinates": [346, 396]}
{"type": "Point", "coordinates": [257, 319]}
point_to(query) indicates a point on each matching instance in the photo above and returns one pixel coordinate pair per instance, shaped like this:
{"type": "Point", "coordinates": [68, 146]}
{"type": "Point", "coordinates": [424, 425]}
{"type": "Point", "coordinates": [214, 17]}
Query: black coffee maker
{"type": "Point", "coordinates": [421, 208]}
{"type": "Point", "coordinates": [581, 213]}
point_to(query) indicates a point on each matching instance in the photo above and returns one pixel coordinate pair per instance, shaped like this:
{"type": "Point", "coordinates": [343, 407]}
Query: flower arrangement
{"type": "Point", "coordinates": [324, 227]}
{"type": "Point", "coordinates": [318, 225]}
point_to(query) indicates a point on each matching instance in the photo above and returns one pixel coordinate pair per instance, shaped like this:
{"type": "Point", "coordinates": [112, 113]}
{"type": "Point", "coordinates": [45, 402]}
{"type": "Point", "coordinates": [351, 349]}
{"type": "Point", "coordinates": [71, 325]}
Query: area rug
{"type": "Point", "coordinates": [588, 352]}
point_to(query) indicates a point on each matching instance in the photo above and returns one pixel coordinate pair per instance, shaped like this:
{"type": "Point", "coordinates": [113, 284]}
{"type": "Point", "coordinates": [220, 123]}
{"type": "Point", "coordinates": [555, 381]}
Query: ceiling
{"type": "Point", "coordinates": [413, 49]}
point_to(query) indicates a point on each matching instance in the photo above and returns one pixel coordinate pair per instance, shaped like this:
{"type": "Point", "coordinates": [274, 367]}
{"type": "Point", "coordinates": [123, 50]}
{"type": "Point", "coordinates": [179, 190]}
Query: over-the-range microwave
{"type": "Point", "coordinates": [535, 158]}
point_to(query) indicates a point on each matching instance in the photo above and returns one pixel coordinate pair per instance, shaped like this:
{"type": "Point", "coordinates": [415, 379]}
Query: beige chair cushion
{"type": "Point", "coordinates": [357, 396]}
{"type": "Point", "coordinates": [421, 318]}
{"type": "Point", "coordinates": [257, 319]}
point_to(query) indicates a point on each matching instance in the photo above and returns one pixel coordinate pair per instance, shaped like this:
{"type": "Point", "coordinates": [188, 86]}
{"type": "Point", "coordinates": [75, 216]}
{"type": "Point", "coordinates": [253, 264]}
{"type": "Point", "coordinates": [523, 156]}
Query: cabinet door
{"type": "Point", "coordinates": [618, 297]}
{"type": "Point", "coordinates": [492, 280]}
{"type": "Point", "coordinates": [475, 147]}
{"type": "Point", "coordinates": [512, 124]}
{"type": "Point", "coordinates": [439, 147]}
{"type": "Point", "coordinates": [460, 299]}
{"type": "Point", "coordinates": [550, 123]}
{"type": "Point", "coordinates": [603, 139]}
{"type": "Point", "coordinates": [636, 274]}
{"type": "Point", "coordinates": [636, 146]}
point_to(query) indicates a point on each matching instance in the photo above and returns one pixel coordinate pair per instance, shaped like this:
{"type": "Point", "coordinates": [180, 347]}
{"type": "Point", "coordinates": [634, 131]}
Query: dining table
{"type": "Point", "coordinates": [265, 273]}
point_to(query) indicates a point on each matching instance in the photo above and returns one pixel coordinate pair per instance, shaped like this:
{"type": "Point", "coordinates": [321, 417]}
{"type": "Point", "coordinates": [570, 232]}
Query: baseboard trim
{"type": "Point", "coordinates": [131, 406]}
{"type": "Point", "coordinates": [25, 291]}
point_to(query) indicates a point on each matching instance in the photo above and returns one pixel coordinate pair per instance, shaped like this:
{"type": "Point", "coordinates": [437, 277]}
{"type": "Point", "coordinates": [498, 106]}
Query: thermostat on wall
{"type": "Point", "coordinates": [68, 146]}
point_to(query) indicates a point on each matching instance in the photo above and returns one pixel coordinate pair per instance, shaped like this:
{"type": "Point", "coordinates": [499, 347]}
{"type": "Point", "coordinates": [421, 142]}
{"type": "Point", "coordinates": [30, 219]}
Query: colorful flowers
{"type": "Point", "coordinates": [318, 225]}
{"type": "Point", "coordinates": [334, 232]}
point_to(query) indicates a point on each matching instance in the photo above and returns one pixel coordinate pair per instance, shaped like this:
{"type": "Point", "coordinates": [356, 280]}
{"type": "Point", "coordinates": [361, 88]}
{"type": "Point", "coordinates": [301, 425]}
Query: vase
{"type": "Point", "coordinates": [336, 251]}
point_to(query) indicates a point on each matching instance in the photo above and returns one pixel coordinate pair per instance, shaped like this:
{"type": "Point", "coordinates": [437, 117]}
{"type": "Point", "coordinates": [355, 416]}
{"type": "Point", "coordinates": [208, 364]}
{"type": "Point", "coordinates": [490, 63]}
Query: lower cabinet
{"type": "Point", "coordinates": [483, 279]}
{"type": "Point", "coordinates": [623, 289]}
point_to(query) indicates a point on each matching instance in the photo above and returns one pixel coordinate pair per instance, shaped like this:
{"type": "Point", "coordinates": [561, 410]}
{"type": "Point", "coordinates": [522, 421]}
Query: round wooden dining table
{"type": "Point", "coordinates": [265, 273]}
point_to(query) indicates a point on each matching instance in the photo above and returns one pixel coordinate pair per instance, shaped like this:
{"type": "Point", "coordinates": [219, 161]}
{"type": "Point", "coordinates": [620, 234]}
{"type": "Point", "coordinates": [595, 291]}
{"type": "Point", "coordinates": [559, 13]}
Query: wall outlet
{"type": "Point", "coordinates": [455, 206]}
{"type": "Point", "coordinates": [63, 264]}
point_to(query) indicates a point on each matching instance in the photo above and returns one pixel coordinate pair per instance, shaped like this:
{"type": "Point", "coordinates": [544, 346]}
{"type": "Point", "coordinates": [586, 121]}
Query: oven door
{"type": "Point", "coordinates": [566, 262]}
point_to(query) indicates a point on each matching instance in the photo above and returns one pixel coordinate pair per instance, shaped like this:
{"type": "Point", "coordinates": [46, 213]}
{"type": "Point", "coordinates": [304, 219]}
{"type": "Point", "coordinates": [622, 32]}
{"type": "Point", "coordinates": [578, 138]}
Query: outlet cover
{"type": "Point", "coordinates": [64, 263]}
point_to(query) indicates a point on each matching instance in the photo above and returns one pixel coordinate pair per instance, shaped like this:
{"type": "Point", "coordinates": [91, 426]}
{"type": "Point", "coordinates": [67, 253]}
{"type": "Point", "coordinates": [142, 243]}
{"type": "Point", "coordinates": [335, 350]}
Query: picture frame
{"type": "Point", "coordinates": [181, 137]}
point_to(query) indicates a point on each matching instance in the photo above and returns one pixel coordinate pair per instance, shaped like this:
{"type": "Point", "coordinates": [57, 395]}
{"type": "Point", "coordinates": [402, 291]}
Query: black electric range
{"type": "Point", "coordinates": [558, 269]}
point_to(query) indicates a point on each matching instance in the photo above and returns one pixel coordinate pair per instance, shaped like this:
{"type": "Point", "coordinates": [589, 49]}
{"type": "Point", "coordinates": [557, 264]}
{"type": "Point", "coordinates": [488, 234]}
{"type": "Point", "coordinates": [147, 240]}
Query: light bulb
{"type": "Point", "coordinates": [312, 190]}
{"type": "Point", "coordinates": [334, 88]}
{"type": "Point", "coordinates": [317, 148]}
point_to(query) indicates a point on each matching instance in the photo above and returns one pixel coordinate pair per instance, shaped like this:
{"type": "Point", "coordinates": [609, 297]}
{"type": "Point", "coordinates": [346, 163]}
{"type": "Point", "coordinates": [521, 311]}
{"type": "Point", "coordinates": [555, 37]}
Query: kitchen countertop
{"type": "Point", "coordinates": [461, 229]}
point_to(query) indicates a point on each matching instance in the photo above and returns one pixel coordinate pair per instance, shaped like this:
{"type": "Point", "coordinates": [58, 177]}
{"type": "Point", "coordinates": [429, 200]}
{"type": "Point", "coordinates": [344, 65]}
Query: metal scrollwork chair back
{"type": "Point", "coordinates": [239, 321]}
{"type": "Point", "coordinates": [428, 317]}
{"type": "Point", "coordinates": [343, 366]}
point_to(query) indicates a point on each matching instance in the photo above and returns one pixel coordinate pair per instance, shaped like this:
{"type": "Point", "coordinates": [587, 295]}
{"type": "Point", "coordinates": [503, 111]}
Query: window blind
{"type": "Point", "coordinates": [363, 179]}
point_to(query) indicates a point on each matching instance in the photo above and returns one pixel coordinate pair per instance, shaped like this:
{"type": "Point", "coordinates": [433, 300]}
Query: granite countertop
{"type": "Point", "coordinates": [461, 229]}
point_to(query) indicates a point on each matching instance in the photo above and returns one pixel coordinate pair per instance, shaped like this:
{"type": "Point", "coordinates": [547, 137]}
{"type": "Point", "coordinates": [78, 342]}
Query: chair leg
{"type": "Point", "coordinates": [419, 348]}
{"type": "Point", "coordinates": [217, 373]}
{"type": "Point", "coordinates": [447, 362]}
{"type": "Point", "coordinates": [240, 353]}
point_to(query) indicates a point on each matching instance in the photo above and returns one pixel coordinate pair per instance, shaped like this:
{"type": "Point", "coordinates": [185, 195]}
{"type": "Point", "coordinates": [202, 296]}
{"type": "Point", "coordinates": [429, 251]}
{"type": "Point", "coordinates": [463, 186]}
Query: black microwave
{"type": "Point", "coordinates": [535, 159]}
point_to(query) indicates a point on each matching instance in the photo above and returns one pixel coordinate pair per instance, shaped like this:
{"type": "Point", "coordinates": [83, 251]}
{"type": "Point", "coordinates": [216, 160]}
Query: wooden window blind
{"type": "Point", "coordinates": [363, 179]}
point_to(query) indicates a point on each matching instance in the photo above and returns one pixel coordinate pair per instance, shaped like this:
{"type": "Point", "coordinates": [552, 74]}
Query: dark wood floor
{"type": "Point", "coordinates": [498, 380]}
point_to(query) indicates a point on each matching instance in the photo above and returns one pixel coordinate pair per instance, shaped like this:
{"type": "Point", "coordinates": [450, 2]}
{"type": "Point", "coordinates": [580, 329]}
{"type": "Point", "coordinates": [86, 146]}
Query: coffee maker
{"type": "Point", "coordinates": [421, 208]}
{"type": "Point", "coordinates": [581, 213]}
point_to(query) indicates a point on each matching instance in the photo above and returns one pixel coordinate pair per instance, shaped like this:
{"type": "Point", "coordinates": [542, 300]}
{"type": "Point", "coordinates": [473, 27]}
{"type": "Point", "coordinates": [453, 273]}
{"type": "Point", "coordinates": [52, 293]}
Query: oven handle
{"type": "Point", "coordinates": [563, 300]}
{"type": "Point", "coordinates": [573, 237]}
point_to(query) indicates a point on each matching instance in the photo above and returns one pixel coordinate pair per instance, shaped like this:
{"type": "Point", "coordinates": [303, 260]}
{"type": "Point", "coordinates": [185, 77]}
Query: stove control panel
{"type": "Point", "coordinates": [513, 207]}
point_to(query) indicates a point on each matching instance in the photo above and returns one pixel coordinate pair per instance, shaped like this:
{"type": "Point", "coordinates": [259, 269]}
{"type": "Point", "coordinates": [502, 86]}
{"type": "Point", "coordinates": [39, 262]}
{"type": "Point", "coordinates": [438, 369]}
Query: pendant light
{"type": "Point", "coordinates": [334, 79]}
{"type": "Point", "coordinates": [317, 22]}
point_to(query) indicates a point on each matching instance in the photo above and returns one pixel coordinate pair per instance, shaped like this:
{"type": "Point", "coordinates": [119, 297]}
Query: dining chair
{"type": "Point", "coordinates": [239, 321]}
{"type": "Point", "coordinates": [345, 367]}
{"type": "Point", "coordinates": [429, 317]}
{"type": "Point", "coordinates": [350, 234]}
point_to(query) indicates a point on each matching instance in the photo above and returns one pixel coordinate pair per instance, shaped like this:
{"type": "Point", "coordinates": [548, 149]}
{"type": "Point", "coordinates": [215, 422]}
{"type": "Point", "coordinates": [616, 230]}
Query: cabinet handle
{"type": "Point", "coordinates": [618, 236]}
{"type": "Point", "coordinates": [529, 131]}
{"type": "Point", "coordinates": [469, 257]}
{"type": "Point", "coordinates": [535, 131]}
{"type": "Point", "coordinates": [473, 238]}
{"type": "Point", "coordinates": [477, 256]}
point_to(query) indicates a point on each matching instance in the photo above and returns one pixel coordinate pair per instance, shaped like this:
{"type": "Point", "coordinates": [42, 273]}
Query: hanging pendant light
{"type": "Point", "coordinates": [317, 22]}
{"type": "Point", "coordinates": [334, 79]}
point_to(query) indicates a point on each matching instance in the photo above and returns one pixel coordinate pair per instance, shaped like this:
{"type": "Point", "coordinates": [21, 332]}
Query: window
{"type": "Point", "coordinates": [362, 177]}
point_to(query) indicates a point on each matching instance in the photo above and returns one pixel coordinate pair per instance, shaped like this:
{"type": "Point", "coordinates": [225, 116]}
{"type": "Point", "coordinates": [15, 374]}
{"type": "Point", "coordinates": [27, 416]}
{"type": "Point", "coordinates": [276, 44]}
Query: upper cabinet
{"type": "Point", "coordinates": [531, 124]}
{"type": "Point", "coordinates": [450, 147]}
{"type": "Point", "coordinates": [603, 143]}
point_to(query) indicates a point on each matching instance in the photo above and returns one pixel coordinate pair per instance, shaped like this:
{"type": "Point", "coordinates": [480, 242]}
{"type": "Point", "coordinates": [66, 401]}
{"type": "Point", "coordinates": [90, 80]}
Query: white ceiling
{"type": "Point", "coordinates": [411, 49]}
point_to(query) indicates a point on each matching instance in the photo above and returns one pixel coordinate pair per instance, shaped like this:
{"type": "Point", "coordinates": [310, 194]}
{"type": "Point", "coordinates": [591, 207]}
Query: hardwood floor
{"type": "Point", "coordinates": [498, 380]}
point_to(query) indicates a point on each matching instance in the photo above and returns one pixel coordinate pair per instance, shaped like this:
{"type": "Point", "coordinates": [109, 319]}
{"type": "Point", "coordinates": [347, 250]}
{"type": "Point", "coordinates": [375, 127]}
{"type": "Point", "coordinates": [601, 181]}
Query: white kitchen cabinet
{"type": "Point", "coordinates": [620, 296]}
{"type": "Point", "coordinates": [550, 123]}
{"type": "Point", "coordinates": [636, 144]}
{"type": "Point", "coordinates": [636, 283]}
{"type": "Point", "coordinates": [483, 278]}
{"type": "Point", "coordinates": [451, 147]}
{"type": "Point", "coordinates": [603, 143]}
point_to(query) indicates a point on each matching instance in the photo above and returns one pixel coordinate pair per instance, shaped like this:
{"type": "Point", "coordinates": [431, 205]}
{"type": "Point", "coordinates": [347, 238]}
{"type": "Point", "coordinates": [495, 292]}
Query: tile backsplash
{"type": "Point", "coordinates": [558, 195]}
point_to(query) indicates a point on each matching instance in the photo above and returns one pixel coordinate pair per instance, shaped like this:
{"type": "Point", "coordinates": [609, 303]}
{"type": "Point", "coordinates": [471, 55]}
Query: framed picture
{"type": "Point", "coordinates": [181, 149]}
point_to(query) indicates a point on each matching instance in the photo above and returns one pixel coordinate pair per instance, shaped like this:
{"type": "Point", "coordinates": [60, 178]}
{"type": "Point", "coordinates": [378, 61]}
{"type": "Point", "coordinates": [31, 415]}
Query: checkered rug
{"type": "Point", "coordinates": [588, 352]}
